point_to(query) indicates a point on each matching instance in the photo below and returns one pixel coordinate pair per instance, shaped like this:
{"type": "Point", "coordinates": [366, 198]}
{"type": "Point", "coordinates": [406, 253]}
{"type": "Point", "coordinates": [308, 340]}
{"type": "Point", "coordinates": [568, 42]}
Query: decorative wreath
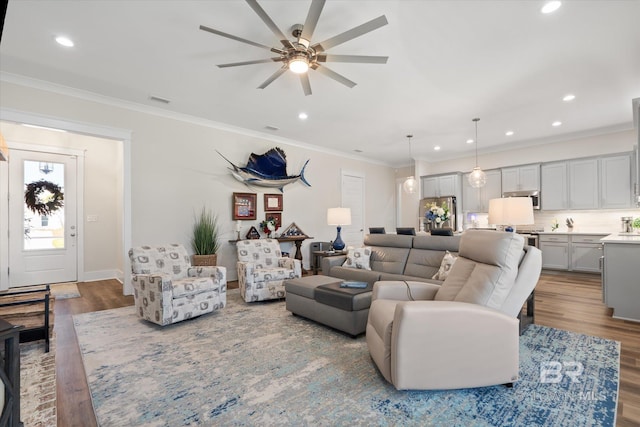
{"type": "Point", "coordinates": [43, 197]}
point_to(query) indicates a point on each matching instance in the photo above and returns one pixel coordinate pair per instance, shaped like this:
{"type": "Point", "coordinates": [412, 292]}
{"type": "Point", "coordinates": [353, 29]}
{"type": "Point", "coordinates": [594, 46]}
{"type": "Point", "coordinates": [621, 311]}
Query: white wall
{"type": "Point", "coordinates": [175, 170]}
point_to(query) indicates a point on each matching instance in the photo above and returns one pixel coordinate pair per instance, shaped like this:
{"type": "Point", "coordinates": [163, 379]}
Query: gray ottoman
{"type": "Point", "coordinates": [343, 309]}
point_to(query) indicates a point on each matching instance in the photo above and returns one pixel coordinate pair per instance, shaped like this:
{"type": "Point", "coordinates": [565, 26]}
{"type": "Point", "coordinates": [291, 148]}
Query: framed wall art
{"type": "Point", "coordinates": [272, 202]}
{"type": "Point", "coordinates": [244, 206]}
{"type": "Point", "coordinates": [277, 217]}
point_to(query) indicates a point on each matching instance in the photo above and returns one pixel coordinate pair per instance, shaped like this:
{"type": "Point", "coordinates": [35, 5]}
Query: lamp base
{"type": "Point", "coordinates": [338, 244]}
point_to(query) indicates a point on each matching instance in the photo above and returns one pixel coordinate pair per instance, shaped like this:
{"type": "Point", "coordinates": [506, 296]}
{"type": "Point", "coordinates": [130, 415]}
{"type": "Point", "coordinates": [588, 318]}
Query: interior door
{"type": "Point", "coordinates": [353, 198]}
{"type": "Point", "coordinates": [42, 233]}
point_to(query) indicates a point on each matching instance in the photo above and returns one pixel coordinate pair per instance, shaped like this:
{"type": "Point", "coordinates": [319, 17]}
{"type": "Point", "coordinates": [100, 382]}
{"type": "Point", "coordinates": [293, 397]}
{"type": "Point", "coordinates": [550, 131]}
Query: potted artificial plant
{"type": "Point", "coordinates": [205, 239]}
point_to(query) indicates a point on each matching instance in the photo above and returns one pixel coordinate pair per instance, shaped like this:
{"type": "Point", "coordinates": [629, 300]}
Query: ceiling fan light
{"type": "Point", "coordinates": [299, 65]}
{"type": "Point", "coordinates": [477, 178]}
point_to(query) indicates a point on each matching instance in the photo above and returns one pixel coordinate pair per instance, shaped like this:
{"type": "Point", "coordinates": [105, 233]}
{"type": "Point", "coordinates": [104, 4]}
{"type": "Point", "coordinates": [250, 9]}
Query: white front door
{"type": "Point", "coordinates": [42, 218]}
{"type": "Point", "coordinates": [353, 198]}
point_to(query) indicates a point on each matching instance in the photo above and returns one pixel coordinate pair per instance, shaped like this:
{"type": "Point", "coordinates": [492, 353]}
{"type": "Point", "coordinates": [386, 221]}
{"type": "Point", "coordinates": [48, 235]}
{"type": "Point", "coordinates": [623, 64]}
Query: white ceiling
{"type": "Point", "coordinates": [449, 61]}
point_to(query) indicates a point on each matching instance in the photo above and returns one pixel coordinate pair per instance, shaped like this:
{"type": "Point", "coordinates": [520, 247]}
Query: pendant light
{"type": "Point", "coordinates": [410, 185]}
{"type": "Point", "coordinates": [477, 178]}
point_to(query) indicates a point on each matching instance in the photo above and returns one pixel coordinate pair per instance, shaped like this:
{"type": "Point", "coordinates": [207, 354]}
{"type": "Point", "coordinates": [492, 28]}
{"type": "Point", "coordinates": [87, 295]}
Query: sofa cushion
{"type": "Point", "coordinates": [486, 269]}
{"type": "Point", "coordinates": [423, 262]}
{"type": "Point", "coordinates": [348, 299]}
{"type": "Point", "coordinates": [358, 258]}
{"type": "Point", "coordinates": [403, 278]}
{"type": "Point", "coordinates": [389, 259]}
{"type": "Point", "coordinates": [437, 243]}
{"type": "Point", "coordinates": [171, 259]}
{"type": "Point", "coordinates": [388, 240]}
{"type": "Point", "coordinates": [445, 266]}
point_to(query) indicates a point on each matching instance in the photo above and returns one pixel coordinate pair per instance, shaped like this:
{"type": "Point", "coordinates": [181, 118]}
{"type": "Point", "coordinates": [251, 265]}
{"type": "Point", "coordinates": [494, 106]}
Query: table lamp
{"type": "Point", "coordinates": [511, 211]}
{"type": "Point", "coordinates": [339, 217]}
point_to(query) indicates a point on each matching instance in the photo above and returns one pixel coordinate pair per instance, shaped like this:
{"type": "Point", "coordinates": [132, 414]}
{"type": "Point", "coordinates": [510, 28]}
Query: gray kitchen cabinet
{"type": "Point", "coordinates": [555, 251]}
{"type": "Point", "coordinates": [583, 184]}
{"type": "Point", "coordinates": [572, 252]}
{"type": "Point", "coordinates": [586, 251]}
{"type": "Point", "coordinates": [615, 182]}
{"type": "Point", "coordinates": [553, 186]}
{"type": "Point", "coordinates": [519, 178]}
{"type": "Point", "coordinates": [620, 284]}
{"type": "Point", "coordinates": [441, 185]}
{"type": "Point", "coordinates": [477, 199]}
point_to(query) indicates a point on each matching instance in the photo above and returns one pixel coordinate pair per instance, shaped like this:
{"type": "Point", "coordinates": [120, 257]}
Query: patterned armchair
{"type": "Point", "coordinates": [262, 269]}
{"type": "Point", "coordinates": [168, 290]}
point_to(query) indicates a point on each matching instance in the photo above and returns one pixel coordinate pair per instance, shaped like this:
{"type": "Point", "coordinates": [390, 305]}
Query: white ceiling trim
{"type": "Point", "coordinates": [155, 111]}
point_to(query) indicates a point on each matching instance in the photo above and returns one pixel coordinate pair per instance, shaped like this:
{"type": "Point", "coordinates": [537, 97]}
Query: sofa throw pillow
{"type": "Point", "coordinates": [445, 266]}
{"type": "Point", "coordinates": [358, 258]}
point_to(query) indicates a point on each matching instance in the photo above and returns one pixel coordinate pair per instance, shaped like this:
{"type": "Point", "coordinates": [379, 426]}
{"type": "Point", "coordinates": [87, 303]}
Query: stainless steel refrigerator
{"type": "Point", "coordinates": [425, 204]}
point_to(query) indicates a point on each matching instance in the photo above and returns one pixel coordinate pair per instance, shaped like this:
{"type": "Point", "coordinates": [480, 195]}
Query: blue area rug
{"type": "Point", "coordinates": [259, 365]}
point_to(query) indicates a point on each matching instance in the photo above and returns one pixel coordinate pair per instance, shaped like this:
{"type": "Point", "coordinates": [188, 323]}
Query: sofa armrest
{"type": "Point", "coordinates": [153, 297]}
{"type": "Point", "coordinates": [450, 345]}
{"type": "Point", "coordinates": [332, 261]}
{"type": "Point", "coordinates": [245, 272]}
{"type": "Point", "coordinates": [396, 290]}
{"type": "Point", "coordinates": [291, 264]}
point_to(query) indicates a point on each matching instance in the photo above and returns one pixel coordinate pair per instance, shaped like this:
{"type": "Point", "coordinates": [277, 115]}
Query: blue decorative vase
{"type": "Point", "coordinates": [338, 244]}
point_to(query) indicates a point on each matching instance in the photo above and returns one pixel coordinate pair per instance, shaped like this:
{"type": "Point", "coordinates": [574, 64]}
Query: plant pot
{"type": "Point", "coordinates": [205, 260]}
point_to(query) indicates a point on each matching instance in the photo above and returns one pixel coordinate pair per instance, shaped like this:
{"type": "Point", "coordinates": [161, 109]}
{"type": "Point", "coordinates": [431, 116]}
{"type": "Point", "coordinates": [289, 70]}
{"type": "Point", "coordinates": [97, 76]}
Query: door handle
{"type": "Point", "coordinates": [73, 234]}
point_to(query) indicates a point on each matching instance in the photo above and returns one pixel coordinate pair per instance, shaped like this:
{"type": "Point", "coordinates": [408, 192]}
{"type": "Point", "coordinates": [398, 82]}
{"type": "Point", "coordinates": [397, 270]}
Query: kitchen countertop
{"type": "Point", "coordinates": [633, 239]}
{"type": "Point", "coordinates": [590, 233]}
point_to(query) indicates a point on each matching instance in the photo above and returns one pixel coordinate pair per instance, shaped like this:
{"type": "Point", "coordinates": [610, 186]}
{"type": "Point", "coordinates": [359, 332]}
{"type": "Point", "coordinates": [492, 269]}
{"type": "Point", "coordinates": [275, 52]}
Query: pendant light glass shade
{"type": "Point", "coordinates": [477, 177]}
{"type": "Point", "coordinates": [410, 185]}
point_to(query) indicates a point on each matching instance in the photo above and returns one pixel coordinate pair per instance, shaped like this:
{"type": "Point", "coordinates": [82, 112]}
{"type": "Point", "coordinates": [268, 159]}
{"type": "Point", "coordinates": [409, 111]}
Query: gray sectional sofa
{"type": "Point", "coordinates": [396, 257]}
{"type": "Point", "coordinates": [393, 257]}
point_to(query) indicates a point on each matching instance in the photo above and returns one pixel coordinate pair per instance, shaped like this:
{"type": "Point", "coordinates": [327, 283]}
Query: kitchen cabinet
{"type": "Point", "coordinates": [572, 252]}
{"type": "Point", "coordinates": [553, 186]}
{"type": "Point", "coordinates": [583, 184]}
{"type": "Point", "coordinates": [440, 186]}
{"type": "Point", "coordinates": [620, 273]}
{"type": "Point", "coordinates": [555, 251]}
{"type": "Point", "coordinates": [615, 182]}
{"type": "Point", "coordinates": [477, 199]}
{"type": "Point", "coordinates": [518, 178]}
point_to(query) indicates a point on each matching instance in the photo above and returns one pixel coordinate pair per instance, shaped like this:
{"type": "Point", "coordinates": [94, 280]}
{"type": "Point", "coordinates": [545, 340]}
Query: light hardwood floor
{"type": "Point", "coordinates": [567, 301]}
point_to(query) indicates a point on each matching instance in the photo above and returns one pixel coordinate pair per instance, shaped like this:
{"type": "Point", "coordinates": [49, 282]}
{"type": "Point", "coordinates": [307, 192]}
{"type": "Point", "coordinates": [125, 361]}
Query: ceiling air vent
{"type": "Point", "coordinates": [158, 99]}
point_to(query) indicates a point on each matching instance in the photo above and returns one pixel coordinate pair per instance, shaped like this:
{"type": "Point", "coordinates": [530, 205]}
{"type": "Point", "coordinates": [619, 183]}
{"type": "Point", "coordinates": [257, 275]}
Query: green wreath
{"type": "Point", "coordinates": [43, 204]}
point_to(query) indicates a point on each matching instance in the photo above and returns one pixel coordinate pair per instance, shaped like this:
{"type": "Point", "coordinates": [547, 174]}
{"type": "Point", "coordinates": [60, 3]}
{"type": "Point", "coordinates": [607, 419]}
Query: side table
{"type": "Point", "coordinates": [318, 255]}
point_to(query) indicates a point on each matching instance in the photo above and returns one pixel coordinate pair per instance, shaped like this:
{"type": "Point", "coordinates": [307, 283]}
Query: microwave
{"type": "Point", "coordinates": [533, 194]}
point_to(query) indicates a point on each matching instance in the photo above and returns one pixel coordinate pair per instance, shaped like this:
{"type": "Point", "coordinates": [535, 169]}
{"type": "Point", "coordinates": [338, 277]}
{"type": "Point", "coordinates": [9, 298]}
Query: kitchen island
{"type": "Point", "coordinates": [621, 275]}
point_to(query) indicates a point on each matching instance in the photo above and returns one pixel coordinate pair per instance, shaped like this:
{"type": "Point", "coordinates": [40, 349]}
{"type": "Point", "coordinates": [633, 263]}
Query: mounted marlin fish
{"type": "Point", "coordinates": [266, 170]}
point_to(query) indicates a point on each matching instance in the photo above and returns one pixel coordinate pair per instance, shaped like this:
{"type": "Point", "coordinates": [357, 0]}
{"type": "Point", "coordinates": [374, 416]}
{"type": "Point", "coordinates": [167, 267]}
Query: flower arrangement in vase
{"type": "Point", "coordinates": [437, 214]}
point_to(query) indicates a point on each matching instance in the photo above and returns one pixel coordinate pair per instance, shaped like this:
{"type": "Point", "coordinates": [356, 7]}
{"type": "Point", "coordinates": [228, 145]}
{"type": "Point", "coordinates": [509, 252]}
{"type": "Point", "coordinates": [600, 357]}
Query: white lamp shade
{"type": "Point", "coordinates": [339, 216]}
{"type": "Point", "coordinates": [511, 211]}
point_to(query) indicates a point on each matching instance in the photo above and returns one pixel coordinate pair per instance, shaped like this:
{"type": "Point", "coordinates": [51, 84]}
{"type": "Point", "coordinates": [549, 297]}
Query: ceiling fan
{"type": "Point", "coordinates": [299, 55]}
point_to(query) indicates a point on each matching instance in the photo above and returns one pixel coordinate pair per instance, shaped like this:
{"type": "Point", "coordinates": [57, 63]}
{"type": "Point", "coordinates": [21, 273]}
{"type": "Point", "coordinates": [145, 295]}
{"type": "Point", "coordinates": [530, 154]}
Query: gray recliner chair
{"type": "Point", "coordinates": [464, 333]}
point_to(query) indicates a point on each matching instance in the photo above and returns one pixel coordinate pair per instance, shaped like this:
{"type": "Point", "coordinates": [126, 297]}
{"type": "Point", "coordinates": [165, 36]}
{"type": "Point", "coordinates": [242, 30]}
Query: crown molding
{"type": "Point", "coordinates": [47, 86]}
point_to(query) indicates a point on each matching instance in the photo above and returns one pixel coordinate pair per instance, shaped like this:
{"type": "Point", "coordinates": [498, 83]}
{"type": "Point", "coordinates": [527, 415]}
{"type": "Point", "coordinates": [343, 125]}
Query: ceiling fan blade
{"type": "Point", "coordinates": [239, 39]}
{"type": "Point", "coordinates": [353, 58]}
{"type": "Point", "coordinates": [351, 34]}
{"type": "Point", "coordinates": [335, 76]}
{"type": "Point", "coordinates": [312, 19]}
{"type": "Point", "coordinates": [306, 86]}
{"type": "Point", "coordinates": [257, 61]}
{"type": "Point", "coordinates": [273, 77]}
{"type": "Point", "coordinates": [269, 22]}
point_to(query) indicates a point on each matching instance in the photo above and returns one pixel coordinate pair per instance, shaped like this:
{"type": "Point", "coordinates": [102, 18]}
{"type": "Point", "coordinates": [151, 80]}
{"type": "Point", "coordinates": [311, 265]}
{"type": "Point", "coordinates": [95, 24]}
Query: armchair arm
{"type": "Point", "coordinates": [153, 296]}
{"type": "Point", "coordinates": [245, 272]}
{"type": "Point", "coordinates": [450, 345]}
{"type": "Point", "coordinates": [329, 262]}
{"type": "Point", "coordinates": [396, 290]}
{"type": "Point", "coordinates": [291, 264]}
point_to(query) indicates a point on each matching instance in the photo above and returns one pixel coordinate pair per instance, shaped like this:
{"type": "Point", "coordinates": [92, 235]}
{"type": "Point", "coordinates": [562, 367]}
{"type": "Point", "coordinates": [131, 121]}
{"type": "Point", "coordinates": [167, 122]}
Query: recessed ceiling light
{"type": "Point", "coordinates": [551, 6]}
{"type": "Point", "coordinates": [303, 116]}
{"type": "Point", "coordinates": [64, 41]}
{"type": "Point", "coordinates": [569, 97]}
{"type": "Point", "coordinates": [469, 141]}
{"type": "Point", "coordinates": [437, 148]}
{"type": "Point", "coordinates": [556, 123]}
{"type": "Point", "coordinates": [509, 133]}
